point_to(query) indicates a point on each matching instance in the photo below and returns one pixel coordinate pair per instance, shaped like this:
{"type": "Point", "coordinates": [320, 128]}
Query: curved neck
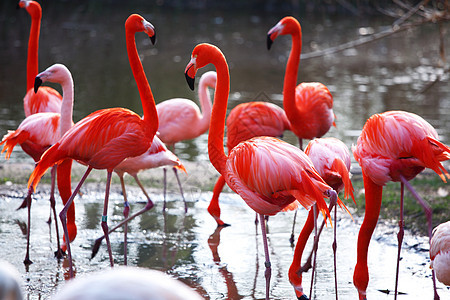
{"type": "Point", "coordinates": [150, 117]}
{"type": "Point", "coordinates": [217, 127]}
{"type": "Point", "coordinates": [33, 44]}
{"type": "Point", "coordinates": [290, 77]}
{"type": "Point", "coordinates": [205, 104]}
{"type": "Point", "coordinates": [66, 120]}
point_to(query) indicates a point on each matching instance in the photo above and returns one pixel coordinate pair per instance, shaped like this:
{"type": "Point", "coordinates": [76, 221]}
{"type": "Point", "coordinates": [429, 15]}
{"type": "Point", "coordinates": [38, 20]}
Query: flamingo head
{"type": "Point", "coordinates": [202, 55]}
{"type": "Point", "coordinates": [137, 23]}
{"type": "Point", "coordinates": [57, 73]}
{"type": "Point", "coordinates": [32, 7]}
{"type": "Point", "coordinates": [287, 25]}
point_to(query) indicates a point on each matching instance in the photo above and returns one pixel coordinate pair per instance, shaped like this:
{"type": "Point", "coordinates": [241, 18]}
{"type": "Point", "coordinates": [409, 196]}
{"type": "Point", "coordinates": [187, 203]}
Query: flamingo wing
{"type": "Point", "coordinates": [46, 99]}
{"type": "Point", "coordinates": [270, 175]}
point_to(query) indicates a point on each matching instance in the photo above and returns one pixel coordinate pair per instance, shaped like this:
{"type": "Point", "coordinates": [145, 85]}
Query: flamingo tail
{"type": "Point", "coordinates": [50, 157]}
{"type": "Point", "coordinates": [11, 139]}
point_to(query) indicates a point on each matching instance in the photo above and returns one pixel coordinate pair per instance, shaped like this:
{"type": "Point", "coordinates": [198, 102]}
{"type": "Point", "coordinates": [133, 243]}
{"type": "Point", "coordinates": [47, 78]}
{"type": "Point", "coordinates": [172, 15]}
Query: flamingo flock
{"type": "Point", "coordinates": [269, 174]}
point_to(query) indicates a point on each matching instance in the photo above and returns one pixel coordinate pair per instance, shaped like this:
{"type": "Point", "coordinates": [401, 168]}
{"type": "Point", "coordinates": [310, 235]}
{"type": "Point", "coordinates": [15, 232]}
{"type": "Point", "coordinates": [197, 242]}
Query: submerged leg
{"type": "Point", "coordinates": [59, 253]}
{"type": "Point", "coordinates": [63, 218]}
{"type": "Point", "coordinates": [165, 181]}
{"type": "Point", "coordinates": [315, 247]}
{"type": "Point", "coordinates": [291, 239]}
{"type": "Point", "coordinates": [27, 202]}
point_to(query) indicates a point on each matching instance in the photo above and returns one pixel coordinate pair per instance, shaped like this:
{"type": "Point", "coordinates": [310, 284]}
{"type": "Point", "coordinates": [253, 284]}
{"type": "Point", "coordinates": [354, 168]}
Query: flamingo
{"type": "Point", "coordinates": [46, 99]}
{"type": "Point", "coordinates": [393, 146]}
{"type": "Point", "coordinates": [181, 119]}
{"type": "Point", "coordinates": [156, 156]}
{"type": "Point", "coordinates": [269, 174]}
{"type": "Point", "coordinates": [103, 139]}
{"type": "Point", "coordinates": [331, 158]}
{"type": "Point", "coordinates": [245, 121]}
{"type": "Point", "coordinates": [37, 133]}
{"type": "Point", "coordinates": [309, 105]}
{"type": "Point", "coordinates": [127, 283]}
{"type": "Point", "coordinates": [440, 252]}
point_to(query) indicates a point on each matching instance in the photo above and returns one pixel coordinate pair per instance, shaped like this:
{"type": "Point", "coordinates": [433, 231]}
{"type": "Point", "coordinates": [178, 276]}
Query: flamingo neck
{"type": "Point", "coordinates": [290, 79]}
{"type": "Point", "coordinates": [217, 127]}
{"type": "Point", "coordinates": [373, 194]}
{"type": "Point", "coordinates": [150, 117]}
{"type": "Point", "coordinates": [66, 120]}
{"type": "Point", "coordinates": [205, 104]}
{"type": "Point", "coordinates": [33, 43]}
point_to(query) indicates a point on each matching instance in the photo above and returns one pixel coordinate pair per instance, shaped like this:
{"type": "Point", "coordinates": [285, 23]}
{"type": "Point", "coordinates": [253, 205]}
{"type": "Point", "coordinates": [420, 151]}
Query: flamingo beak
{"type": "Point", "coordinates": [190, 71]}
{"type": "Point", "coordinates": [269, 42]}
{"type": "Point", "coordinates": [37, 83]}
{"type": "Point", "coordinates": [190, 81]}
{"type": "Point", "coordinates": [153, 39]}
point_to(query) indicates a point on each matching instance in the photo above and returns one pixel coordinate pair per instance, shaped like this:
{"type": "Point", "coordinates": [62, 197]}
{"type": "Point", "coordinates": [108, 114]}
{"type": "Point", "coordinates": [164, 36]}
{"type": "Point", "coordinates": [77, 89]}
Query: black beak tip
{"type": "Point", "coordinates": [37, 84]}
{"type": "Point", "coordinates": [153, 39]}
{"type": "Point", "coordinates": [269, 42]}
{"type": "Point", "coordinates": [190, 81]}
{"type": "Point", "coordinates": [17, 6]}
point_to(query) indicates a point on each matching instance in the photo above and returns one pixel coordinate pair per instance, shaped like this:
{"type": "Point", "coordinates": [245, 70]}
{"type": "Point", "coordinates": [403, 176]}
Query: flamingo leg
{"type": "Point", "coordinates": [315, 247]}
{"type": "Point", "coordinates": [428, 213]}
{"type": "Point", "coordinates": [147, 207]}
{"type": "Point", "coordinates": [400, 235]}
{"type": "Point", "coordinates": [27, 200]}
{"type": "Point", "coordinates": [126, 211]}
{"type": "Point", "coordinates": [104, 218]}
{"type": "Point", "coordinates": [63, 218]}
{"type": "Point", "coordinates": [164, 180]}
{"type": "Point", "coordinates": [334, 244]}
{"type": "Point", "coordinates": [291, 239]}
{"type": "Point", "coordinates": [268, 271]}
{"type": "Point", "coordinates": [58, 253]}
{"type": "Point", "coordinates": [181, 189]}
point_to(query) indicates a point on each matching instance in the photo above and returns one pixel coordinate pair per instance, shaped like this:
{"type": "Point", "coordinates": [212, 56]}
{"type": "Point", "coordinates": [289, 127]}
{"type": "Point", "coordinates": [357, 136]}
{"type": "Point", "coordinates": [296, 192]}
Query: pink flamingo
{"type": "Point", "coordinates": [37, 133]}
{"type": "Point", "coordinates": [106, 137]}
{"type": "Point", "coordinates": [440, 252]}
{"type": "Point", "coordinates": [393, 146]}
{"type": "Point", "coordinates": [46, 99]}
{"type": "Point", "coordinates": [309, 106]}
{"type": "Point", "coordinates": [331, 158]}
{"type": "Point", "coordinates": [181, 119]}
{"type": "Point", "coordinates": [269, 174]}
{"type": "Point", "coordinates": [156, 156]}
{"type": "Point", "coordinates": [245, 121]}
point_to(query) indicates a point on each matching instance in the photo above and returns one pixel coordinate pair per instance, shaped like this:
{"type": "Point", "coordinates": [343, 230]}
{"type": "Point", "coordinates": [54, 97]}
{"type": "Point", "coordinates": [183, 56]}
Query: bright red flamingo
{"type": "Point", "coordinates": [37, 133]}
{"type": "Point", "coordinates": [440, 252]}
{"type": "Point", "coordinates": [46, 99]}
{"type": "Point", "coordinates": [156, 156]}
{"type": "Point", "coordinates": [245, 121]}
{"type": "Point", "coordinates": [309, 105]}
{"type": "Point", "coordinates": [393, 146]}
{"type": "Point", "coordinates": [331, 158]}
{"type": "Point", "coordinates": [106, 137]}
{"type": "Point", "coordinates": [174, 115]}
{"type": "Point", "coordinates": [269, 174]}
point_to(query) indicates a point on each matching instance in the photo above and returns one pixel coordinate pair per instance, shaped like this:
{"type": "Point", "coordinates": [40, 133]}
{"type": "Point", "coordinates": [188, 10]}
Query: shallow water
{"type": "Point", "coordinates": [219, 264]}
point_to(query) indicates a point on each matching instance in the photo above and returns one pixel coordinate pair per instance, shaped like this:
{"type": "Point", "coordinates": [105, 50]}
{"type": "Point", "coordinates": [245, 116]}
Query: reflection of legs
{"type": "Point", "coordinates": [165, 188]}
{"type": "Point", "coordinates": [27, 203]}
{"type": "Point", "coordinates": [181, 189]}
{"type": "Point", "coordinates": [126, 211]}
{"type": "Point", "coordinates": [268, 271]}
{"type": "Point", "coordinates": [428, 214]}
{"type": "Point", "coordinates": [63, 217]}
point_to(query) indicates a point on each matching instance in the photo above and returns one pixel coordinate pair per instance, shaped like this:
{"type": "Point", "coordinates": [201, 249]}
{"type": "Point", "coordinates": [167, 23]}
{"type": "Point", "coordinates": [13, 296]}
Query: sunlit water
{"type": "Point", "coordinates": [183, 246]}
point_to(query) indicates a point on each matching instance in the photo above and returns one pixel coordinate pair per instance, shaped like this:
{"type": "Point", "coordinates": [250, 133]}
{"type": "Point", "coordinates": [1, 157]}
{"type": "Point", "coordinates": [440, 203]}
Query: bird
{"type": "Point", "coordinates": [440, 252]}
{"type": "Point", "coordinates": [46, 99]}
{"type": "Point", "coordinates": [393, 146]}
{"type": "Point", "coordinates": [270, 175]}
{"type": "Point", "coordinates": [331, 158]}
{"type": "Point", "coordinates": [309, 105]}
{"type": "Point", "coordinates": [245, 121]}
{"type": "Point", "coordinates": [37, 133]}
{"type": "Point", "coordinates": [10, 282]}
{"type": "Point", "coordinates": [103, 139]}
{"type": "Point", "coordinates": [126, 282]}
{"type": "Point", "coordinates": [181, 119]}
{"type": "Point", "coordinates": [156, 156]}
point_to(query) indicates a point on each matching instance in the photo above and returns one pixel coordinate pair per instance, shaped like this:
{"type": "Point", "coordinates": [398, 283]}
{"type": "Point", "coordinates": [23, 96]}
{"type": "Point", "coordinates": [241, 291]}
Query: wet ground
{"type": "Point", "coordinates": [219, 264]}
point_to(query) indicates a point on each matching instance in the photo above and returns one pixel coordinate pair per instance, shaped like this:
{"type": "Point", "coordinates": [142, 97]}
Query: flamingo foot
{"type": "Point", "coordinates": [303, 297]}
{"type": "Point", "coordinates": [27, 261]}
{"type": "Point", "coordinates": [59, 254]}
